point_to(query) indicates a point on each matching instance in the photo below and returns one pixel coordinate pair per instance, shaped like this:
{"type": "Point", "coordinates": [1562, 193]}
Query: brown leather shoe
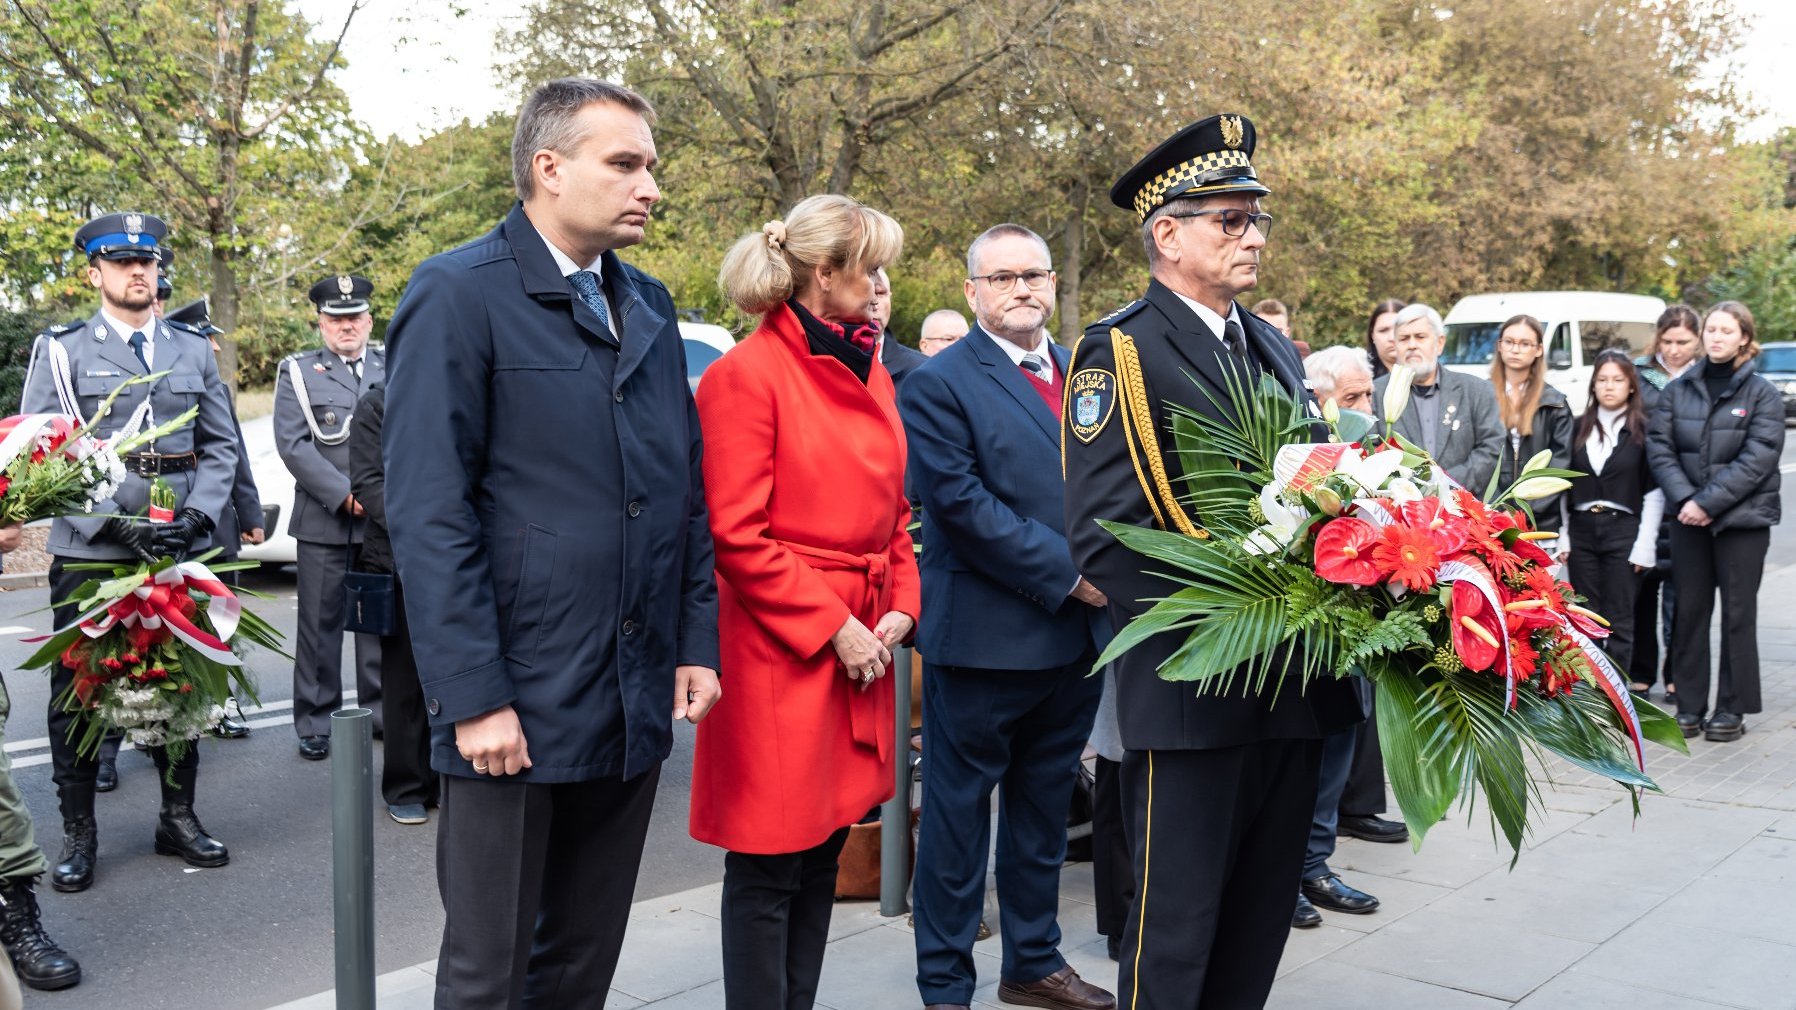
{"type": "Point", "coordinates": [1063, 990]}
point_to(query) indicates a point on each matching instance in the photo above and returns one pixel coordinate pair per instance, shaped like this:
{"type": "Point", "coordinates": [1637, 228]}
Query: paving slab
{"type": "Point", "coordinates": [1339, 986]}
{"type": "Point", "coordinates": [1723, 967]}
{"type": "Point", "coordinates": [1445, 948]}
{"type": "Point", "coordinates": [1586, 992]}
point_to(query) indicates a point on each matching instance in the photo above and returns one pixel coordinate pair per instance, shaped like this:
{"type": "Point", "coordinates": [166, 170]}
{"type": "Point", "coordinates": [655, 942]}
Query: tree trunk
{"type": "Point", "coordinates": [1072, 264]}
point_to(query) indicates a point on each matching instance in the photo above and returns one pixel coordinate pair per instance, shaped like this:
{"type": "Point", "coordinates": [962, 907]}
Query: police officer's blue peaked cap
{"type": "Point", "coordinates": [129, 235]}
{"type": "Point", "coordinates": [1208, 157]}
{"type": "Point", "coordinates": [342, 295]}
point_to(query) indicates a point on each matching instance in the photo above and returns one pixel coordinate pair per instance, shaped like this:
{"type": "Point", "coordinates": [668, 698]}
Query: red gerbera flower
{"type": "Point", "coordinates": [1409, 556]}
{"type": "Point", "coordinates": [1344, 549]}
{"type": "Point", "coordinates": [1477, 629]}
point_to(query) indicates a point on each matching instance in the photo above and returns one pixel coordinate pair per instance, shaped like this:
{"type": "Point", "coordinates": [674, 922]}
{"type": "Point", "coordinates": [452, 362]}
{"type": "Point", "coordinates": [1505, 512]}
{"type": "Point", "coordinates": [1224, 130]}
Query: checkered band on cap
{"type": "Point", "coordinates": [1158, 191]}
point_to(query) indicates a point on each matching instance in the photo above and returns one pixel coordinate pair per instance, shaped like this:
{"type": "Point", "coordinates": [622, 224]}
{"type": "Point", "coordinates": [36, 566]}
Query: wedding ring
{"type": "Point", "coordinates": [867, 675]}
{"type": "Point", "coordinates": [481, 769]}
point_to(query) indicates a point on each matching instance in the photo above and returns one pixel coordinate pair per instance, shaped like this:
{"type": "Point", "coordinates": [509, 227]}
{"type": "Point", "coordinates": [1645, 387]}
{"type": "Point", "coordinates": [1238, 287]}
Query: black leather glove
{"type": "Point", "coordinates": [130, 533]}
{"type": "Point", "coordinates": [174, 538]}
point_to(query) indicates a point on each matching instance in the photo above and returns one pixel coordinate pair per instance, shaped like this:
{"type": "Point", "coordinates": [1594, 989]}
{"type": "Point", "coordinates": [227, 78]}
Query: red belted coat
{"type": "Point", "coordinates": [804, 476]}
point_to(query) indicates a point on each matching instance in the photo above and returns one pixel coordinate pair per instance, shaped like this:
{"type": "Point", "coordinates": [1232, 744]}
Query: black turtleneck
{"type": "Point", "coordinates": [1715, 375]}
{"type": "Point", "coordinates": [827, 339]}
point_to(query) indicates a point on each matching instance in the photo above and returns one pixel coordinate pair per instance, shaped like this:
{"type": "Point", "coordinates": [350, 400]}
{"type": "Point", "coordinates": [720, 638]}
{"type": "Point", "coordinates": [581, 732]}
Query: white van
{"type": "Point", "coordinates": [1579, 326]}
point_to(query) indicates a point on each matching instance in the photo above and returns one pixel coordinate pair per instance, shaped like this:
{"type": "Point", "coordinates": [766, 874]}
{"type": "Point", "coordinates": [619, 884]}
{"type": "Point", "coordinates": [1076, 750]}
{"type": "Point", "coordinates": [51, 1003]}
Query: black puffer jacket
{"type": "Point", "coordinates": [1552, 430]}
{"type": "Point", "coordinates": [1723, 454]}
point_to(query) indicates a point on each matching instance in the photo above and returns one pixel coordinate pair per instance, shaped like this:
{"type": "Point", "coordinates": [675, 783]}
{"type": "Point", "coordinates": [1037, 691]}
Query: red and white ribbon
{"type": "Point", "coordinates": [152, 605]}
{"type": "Point", "coordinates": [19, 435]}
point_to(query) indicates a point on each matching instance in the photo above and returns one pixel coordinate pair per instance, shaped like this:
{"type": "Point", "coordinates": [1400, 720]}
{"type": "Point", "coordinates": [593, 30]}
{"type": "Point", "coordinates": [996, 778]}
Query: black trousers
{"type": "Point", "coordinates": [536, 880]}
{"type": "Point", "coordinates": [1601, 572]}
{"type": "Point", "coordinates": [1364, 795]}
{"type": "Point", "coordinates": [405, 773]}
{"type": "Point", "coordinates": [1653, 608]}
{"type": "Point", "coordinates": [318, 642]}
{"type": "Point", "coordinates": [72, 773]}
{"type": "Point", "coordinates": [1733, 562]}
{"type": "Point", "coordinates": [1112, 865]}
{"type": "Point", "coordinates": [1020, 732]}
{"type": "Point", "coordinates": [1219, 841]}
{"type": "Point", "coordinates": [775, 914]}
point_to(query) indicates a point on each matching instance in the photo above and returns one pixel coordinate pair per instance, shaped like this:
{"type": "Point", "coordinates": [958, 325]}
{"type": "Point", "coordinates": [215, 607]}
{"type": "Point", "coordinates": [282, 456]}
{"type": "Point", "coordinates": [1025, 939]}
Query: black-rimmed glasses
{"type": "Point", "coordinates": [1234, 222]}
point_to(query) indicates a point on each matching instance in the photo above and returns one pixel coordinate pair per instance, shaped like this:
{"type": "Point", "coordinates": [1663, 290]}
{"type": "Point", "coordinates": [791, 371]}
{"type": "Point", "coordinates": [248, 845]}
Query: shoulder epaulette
{"type": "Point", "coordinates": [61, 328]}
{"type": "Point", "coordinates": [1121, 312]}
{"type": "Point", "coordinates": [187, 328]}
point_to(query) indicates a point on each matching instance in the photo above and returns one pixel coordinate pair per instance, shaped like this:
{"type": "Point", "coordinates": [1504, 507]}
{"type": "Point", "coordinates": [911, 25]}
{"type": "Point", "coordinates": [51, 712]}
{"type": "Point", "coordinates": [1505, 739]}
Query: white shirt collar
{"type": "Point", "coordinates": [1016, 353]}
{"type": "Point", "coordinates": [124, 332]}
{"type": "Point", "coordinates": [566, 264]}
{"type": "Point", "coordinates": [1211, 319]}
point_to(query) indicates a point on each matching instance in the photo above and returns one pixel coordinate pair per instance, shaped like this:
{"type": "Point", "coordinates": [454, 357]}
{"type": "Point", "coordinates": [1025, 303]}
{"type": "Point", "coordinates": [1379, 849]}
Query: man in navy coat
{"type": "Point", "coordinates": [1009, 634]}
{"type": "Point", "coordinates": [547, 515]}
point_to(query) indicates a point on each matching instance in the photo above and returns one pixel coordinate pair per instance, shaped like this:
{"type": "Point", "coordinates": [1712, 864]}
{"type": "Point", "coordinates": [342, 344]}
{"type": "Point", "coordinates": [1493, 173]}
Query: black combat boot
{"type": "Point", "coordinates": [178, 832]}
{"type": "Point", "coordinates": [80, 851]}
{"type": "Point", "coordinates": [39, 962]}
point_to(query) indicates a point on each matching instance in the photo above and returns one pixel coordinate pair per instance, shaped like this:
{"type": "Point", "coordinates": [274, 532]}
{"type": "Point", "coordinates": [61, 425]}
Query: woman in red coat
{"type": "Point", "coordinates": [804, 476]}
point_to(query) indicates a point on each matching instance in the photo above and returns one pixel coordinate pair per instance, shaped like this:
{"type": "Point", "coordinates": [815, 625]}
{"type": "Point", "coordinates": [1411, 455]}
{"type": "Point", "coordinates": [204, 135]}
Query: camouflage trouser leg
{"type": "Point", "coordinates": [19, 855]}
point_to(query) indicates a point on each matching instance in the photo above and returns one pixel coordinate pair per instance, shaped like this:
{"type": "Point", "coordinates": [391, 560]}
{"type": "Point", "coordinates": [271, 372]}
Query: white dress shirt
{"type": "Point", "coordinates": [1214, 321]}
{"type": "Point", "coordinates": [123, 332]}
{"type": "Point", "coordinates": [1040, 350]}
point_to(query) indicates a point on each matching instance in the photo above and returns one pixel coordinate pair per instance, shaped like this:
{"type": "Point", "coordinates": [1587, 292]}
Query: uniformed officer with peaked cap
{"type": "Point", "coordinates": [315, 395]}
{"type": "Point", "coordinates": [73, 369]}
{"type": "Point", "coordinates": [1220, 787]}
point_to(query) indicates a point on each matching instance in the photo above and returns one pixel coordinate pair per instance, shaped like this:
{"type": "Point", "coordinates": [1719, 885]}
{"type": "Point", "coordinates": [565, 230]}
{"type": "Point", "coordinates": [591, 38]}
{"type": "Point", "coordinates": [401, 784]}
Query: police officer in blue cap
{"type": "Point", "coordinates": [73, 369]}
{"type": "Point", "coordinates": [315, 396]}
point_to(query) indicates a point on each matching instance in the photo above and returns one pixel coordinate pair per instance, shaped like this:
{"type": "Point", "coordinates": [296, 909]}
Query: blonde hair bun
{"type": "Point", "coordinates": [775, 231]}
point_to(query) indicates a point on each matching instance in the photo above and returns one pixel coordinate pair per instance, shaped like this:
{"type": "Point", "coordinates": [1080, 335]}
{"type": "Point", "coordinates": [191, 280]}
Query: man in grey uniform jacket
{"type": "Point", "coordinates": [74, 368]}
{"type": "Point", "coordinates": [315, 394]}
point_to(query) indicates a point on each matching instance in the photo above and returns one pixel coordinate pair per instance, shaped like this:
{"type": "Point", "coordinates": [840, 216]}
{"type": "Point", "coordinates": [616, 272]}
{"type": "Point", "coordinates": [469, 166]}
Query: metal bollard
{"type": "Point", "coordinates": [352, 854]}
{"type": "Point", "coordinates": [894, 816]}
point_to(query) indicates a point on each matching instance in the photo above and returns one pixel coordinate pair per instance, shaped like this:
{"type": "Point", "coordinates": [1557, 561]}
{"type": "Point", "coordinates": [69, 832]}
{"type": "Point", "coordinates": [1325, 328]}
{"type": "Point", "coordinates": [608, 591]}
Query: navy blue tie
{"type": "Point", "coordinates": [136, 342]}
{"type": "Point", "coordinates": [586, 285]}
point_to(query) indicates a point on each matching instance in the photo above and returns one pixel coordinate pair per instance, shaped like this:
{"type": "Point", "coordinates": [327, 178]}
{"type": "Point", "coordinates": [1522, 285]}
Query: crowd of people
{"type": "Point", "coordinates": [570, 545]}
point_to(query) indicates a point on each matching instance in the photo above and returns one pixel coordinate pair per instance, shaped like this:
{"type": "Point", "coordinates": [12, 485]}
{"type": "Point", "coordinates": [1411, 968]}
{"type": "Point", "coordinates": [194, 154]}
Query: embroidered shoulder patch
{"type": "Point", "coordinates": [1091, 394]}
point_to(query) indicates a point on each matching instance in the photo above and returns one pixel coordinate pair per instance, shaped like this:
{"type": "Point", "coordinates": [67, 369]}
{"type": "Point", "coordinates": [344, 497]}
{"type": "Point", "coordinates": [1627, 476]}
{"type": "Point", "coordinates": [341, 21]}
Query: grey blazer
{"type": "Point", "coordinates": [99, 362]}
{"type": "Point", "coordinates": [1471, 433]}
{"type": "Point", "coordinates": [320, 470]}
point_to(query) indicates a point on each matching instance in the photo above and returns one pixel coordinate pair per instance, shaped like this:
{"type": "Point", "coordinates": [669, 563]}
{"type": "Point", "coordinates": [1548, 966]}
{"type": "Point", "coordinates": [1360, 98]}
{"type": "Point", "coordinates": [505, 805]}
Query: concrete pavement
{"type": "Point", "coordinates": [1687, 907]}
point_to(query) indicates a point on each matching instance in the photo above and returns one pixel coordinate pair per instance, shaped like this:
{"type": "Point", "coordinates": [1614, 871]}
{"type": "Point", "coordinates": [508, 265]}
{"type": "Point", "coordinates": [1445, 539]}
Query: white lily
{"type": "Point", "coordinates": [1402, 489]}
{"type": "Point", "coordinates": [1540, 487]}
{"type": "Point", "coordinates": [1538, 461]}
{"type": "Point", "coordinates": [1331, 411]}
{"type": "Point", "coordinates": [1370, 472]}
{"type": "Point", "coordinates": [1396, 392]}
{"type": "Point", "coordinates": [1281, 524]}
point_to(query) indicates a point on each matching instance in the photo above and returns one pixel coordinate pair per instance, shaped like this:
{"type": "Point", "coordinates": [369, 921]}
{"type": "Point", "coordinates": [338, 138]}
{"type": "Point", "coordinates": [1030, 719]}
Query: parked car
{"type": "Point", "coordinates": [1778, 364]}
{"type": "Point", "coordinates": [705, 343]}
{"type": "Point", "coordinates": [1579, 325]}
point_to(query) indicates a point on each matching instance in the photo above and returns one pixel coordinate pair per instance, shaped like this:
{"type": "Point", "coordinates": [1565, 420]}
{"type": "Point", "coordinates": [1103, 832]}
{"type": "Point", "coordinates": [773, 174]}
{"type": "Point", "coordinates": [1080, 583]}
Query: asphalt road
{"type": "Point", "coordinates": [153, 932]}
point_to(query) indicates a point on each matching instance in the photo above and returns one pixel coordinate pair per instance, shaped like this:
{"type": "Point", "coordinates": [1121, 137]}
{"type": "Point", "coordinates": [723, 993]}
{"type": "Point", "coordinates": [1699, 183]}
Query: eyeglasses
{"type": "Point", "coordinates": [1234, 222]}
{"type": "Point", "coordinates": [1005, 280]}
{"type": "Point", "coordinates": [1518, 345]}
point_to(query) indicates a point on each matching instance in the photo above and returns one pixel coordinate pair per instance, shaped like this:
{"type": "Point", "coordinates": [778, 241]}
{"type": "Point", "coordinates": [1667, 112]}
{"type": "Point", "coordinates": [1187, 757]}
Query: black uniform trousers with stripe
{"type": "Point", "coordinates": [1219, 838]}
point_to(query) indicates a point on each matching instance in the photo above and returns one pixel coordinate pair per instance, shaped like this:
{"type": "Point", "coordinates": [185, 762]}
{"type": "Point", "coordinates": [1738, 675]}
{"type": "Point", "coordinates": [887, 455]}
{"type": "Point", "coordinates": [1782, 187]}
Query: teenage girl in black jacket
{"type": "Point", "coordinates": [1714, 444]}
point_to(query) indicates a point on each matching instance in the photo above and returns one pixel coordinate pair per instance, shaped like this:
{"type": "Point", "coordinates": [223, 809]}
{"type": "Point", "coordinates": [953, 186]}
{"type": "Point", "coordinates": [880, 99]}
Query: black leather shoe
{"type": "Point", "coordinates": [1689, 725]}
{"type": "Point", "coordinates": [80, 850]}
{"type": "Point", "coordinates": [179, 833]}
{"type": "Point", "coordinates": [106, 776]}
{"type": "Point", "coordinates": [1331, 893]}
{"type": "Point", "coordinates": [1724, 727]}
{"type": "Point", "coordinates": [228, 728]}
{"type": "Point", "coordinates": [1372, 829]}
{"type": "Point", "coordinates": [1306, 916]}
{"type": "Point", "coordinates": [314, 748]}
{"type": "Point", "coordinates": [39, 962]}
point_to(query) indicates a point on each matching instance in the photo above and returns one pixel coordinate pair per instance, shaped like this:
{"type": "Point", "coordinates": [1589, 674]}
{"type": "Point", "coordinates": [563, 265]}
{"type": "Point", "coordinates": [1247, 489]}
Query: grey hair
{"type": "Point", "coordinates": [1180, 205]}
{"type": "Point", "coordinates": [549, 121]}
{"type": "Point", "coordinates": [998, 231]}
{"type": "Point", "coordinates": [938, 319]}
{"type": "Point", "coordinates": [1327, 367]}
{"type": "Point", "coordinates": [1416, 310]}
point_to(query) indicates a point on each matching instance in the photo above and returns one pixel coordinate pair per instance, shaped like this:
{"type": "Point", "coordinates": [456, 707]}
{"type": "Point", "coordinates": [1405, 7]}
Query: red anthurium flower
{"type": "Point", "coordinates": [1447, 530]}
{"type": "Point", "coordinates": [1477, 630]}
{"type": "Point", "coordinates": [1344, 550]}
{"type": "Point", "coordinates": [1409, 556]}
